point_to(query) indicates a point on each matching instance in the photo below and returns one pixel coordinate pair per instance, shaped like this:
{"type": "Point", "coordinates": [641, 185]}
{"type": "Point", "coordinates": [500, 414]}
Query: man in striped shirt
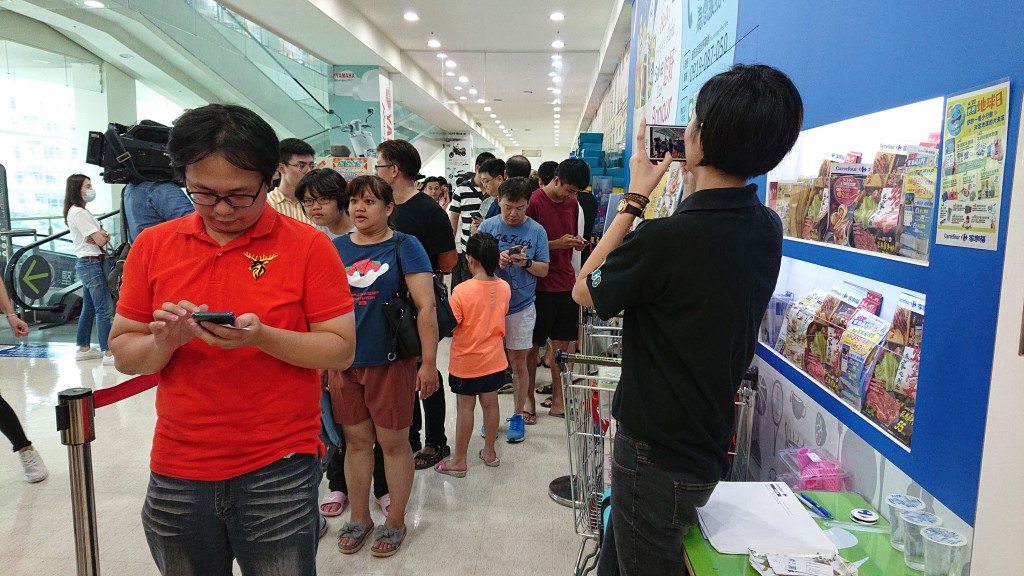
{"type": "Point", "coordinates": [296, 160]}
{"type": "Point", "coordinates": [465, 204]}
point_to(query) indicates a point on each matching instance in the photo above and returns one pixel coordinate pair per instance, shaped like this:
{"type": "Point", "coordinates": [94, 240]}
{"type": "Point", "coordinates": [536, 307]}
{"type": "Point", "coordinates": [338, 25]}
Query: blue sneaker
{"type": "Point", "coordinates": [516, 429]}
{"type": "Point", "coordinates": [482, 435]}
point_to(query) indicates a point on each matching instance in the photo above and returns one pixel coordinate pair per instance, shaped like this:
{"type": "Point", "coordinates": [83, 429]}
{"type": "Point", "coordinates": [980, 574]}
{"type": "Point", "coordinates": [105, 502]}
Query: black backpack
{"type": "Point", "coordinates": [117, 259]}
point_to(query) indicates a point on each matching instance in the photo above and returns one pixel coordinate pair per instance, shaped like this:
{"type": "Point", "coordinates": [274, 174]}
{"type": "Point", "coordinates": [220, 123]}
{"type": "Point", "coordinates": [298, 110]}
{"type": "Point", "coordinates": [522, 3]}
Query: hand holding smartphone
{"type": "Point", "coordinates": [223, 318]}
{"type": "Point", "coordinates": [662, 138]}
{"type": "Point", "coordinates": [515, 250]}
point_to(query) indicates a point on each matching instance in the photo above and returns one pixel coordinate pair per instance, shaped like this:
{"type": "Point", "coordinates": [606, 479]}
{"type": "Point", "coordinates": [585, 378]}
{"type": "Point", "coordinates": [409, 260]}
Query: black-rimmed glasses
{"type": "Point", "coordinates": [321, 200]}
{"type": "Point", "coordinates": [233, 200]}
{"type": "Point", "coordinates": [379, 166]}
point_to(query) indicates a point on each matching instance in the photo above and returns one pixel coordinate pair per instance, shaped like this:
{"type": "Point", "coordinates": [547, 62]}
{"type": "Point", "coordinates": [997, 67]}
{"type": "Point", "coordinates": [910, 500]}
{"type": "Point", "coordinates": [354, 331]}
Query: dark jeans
{"type": "Point", "coordinates": [652, 509]}
{"type": "Point", "coordinates": [336, 471]}
{"type": "Point", "coordinates": [461, 271]}
{"type": "Point", "coordinates": [11, 427]}
{"type": "Point", "coordinates": [267, 520]}
{"type": "Point", "coordinates": [434, 410]}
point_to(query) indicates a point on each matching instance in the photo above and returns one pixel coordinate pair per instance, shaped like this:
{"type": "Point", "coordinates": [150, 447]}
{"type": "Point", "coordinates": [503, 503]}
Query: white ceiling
{"type": "Point", "coordinates": [503, 48]}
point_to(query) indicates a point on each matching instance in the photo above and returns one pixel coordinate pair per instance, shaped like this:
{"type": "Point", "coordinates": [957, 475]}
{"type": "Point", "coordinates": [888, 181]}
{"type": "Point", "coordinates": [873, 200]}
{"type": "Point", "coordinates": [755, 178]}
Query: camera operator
{"type": "Point", "coordinates": [151, 202]}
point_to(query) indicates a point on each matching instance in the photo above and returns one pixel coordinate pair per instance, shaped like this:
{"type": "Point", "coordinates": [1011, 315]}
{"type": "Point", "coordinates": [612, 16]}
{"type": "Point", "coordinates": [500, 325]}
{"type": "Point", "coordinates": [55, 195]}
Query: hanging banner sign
{"type": "Point", "coordinates": [973, 159]}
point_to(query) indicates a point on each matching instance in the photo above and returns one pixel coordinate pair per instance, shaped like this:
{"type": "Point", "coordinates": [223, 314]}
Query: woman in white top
{"type": "Point", "coordinates": [89, 239]}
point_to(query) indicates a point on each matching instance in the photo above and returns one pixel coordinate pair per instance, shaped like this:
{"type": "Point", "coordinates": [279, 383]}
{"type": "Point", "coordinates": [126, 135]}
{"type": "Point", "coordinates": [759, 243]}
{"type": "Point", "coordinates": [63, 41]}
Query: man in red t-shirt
{"type": "Point", "coordinates": [235, 461]}
{"type": "Point", "coordinates": [555, 208]}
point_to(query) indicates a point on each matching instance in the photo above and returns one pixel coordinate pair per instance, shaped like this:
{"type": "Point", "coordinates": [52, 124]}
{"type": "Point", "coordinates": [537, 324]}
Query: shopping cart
{"type": "Point", "coordinates": [740, 454]}
{"type": "Point", "coordinates": [590, 430]}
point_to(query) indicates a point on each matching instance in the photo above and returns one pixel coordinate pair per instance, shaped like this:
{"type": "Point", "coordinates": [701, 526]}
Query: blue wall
{"type": "Point", "coordinates": [851, 59]}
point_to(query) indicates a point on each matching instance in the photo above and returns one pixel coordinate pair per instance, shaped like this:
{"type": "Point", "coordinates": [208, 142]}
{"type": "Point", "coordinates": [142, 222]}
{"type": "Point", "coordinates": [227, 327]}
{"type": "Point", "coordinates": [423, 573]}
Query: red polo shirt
{"type": "Point", "coordinates": [224, 413]}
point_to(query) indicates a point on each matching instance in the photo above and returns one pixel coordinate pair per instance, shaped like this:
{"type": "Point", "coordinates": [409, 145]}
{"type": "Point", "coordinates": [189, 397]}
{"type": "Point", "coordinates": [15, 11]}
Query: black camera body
{"type": "Point", "coordinates": [131, 153]}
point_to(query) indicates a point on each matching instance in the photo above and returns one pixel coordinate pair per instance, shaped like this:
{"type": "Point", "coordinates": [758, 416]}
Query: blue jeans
{"type": "Point", "coordinates": [95, 301]}
{"type": "Point", "coordinates": [267, 520]}
{"type": "Point", "coordinates": [652, 510]}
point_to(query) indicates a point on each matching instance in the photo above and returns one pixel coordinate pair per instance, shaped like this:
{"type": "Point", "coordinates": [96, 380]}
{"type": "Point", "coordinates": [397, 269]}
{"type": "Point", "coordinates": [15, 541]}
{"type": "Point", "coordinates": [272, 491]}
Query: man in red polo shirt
{"type": "Point", "coordinates": [235, 459]}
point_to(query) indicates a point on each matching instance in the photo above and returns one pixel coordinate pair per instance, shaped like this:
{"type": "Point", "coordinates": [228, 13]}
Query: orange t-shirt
{"type": "Point", "coordinates": [224, 413]}
{"type": "Point", "coordinates": [478, 348]}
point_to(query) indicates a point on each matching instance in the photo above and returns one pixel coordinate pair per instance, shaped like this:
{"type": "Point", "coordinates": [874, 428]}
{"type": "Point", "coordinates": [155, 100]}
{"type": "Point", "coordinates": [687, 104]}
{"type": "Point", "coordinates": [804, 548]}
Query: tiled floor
{"type": "Point", "coordinates": [494, 521]}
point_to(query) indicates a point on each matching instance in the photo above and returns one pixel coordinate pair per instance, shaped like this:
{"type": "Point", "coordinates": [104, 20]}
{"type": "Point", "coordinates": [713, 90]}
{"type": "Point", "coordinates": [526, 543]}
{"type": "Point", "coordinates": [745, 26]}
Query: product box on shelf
{"type": "Point", "coordinates": [825, 334]}
{"type": "Point", "coordinates": [892, 389]}
{"type": "Point", "coordinates": [860, 346]}
{"type": "Point", "coordinates": [810, 469]}
{"type": "Point", "coordinates": [792, 342]}
{"type": "Point", "coordinates": [845, 194]}
{"type": "Point", "coordinates": [918, 202]}
{"type": "Point", "coordinates": [882, 226]}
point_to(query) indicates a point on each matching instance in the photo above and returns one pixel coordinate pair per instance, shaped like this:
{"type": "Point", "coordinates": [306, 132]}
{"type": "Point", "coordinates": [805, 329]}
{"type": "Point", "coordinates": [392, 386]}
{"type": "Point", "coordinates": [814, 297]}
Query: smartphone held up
{"type": "Point", "coordinates": [662, 139]}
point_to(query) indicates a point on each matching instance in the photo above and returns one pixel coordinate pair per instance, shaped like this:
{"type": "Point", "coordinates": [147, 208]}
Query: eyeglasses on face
{"type": "Point", "coordinates": [302, 165]}
{"type": "Point", "coordinates": [379, 166]}
{"type": "Point", "coordinates": [233, 200]}
{"type": "Point", "coordinates": [321, 200]}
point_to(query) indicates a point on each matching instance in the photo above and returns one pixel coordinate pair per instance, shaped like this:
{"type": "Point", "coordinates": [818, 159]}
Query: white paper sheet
{"type": "Point", "coordinates": [765, 516]}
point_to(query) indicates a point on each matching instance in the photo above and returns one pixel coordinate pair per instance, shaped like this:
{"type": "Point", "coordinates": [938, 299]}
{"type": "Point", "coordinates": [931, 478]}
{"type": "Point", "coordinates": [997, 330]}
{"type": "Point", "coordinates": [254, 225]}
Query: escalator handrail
{"type": "Point", "coordinates": [11, 265]}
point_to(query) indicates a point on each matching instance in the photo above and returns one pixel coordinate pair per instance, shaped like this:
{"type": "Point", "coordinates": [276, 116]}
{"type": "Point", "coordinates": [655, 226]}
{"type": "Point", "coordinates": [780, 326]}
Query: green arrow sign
{"type": "Point", "coordinates": [35, 278]}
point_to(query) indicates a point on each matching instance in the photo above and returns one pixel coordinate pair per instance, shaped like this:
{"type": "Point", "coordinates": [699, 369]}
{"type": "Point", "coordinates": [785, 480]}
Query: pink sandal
{"type": "Point", "coordinates": [334, 497]}
{"type": "Point", "coordinates": [443, 468]}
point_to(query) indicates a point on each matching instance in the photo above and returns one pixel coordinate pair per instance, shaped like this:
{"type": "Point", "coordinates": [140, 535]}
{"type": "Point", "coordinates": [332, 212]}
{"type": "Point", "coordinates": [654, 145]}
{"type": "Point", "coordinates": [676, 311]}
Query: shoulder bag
{"type": "Point", "coordinates": [400, 312]}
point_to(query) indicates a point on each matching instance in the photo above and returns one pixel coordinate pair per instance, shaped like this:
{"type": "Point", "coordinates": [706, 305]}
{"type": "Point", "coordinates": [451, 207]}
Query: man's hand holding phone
{"type": "Point", "coordinates": [215, 329]}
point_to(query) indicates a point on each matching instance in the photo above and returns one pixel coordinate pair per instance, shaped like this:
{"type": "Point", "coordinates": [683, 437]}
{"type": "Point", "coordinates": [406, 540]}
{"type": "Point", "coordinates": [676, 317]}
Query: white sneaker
{"type": "Point", "coordinates": [89, 354]}
{"type": "Point", "coordinates": [32, 462]}
{"type": "Point", "coordinates": [108, 359]}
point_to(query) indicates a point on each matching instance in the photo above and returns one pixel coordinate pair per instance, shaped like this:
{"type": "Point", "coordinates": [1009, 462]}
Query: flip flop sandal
{"type": "Point", "coordinates": [556, 414]}
{"type": "Point", "coordinates": [425, 460]}
{"type": "Point", "coordinates": [333, 497]}
{"type": "Point", "coordinates": [546, 403]}
{"type": "Point", "coordinates": [358, 532]}
{"type": "Point", "coordinates": [386, 535]}
{"type": "Point", "coordinates": [529, 418]}
{"type": "Point", "coordinates": [543, 390]}
{"type": "Point", "coordinates": [443, 468]}
{"type": "Point", "coordinates": [492, 463]}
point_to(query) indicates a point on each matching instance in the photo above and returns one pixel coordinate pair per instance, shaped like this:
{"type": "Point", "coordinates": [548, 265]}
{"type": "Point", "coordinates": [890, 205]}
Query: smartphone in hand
{"type": "Point", "coordinates": [515, 250]}
{"type": "Point", "coordinates": [662, 138]}
{"type": "Point", "coordinates": [223, 318]}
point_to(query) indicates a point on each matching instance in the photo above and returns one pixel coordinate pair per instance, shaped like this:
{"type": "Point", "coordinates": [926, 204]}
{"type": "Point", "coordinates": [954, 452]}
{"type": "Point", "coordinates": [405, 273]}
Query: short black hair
{"type": "Point", "coordinates": [443, 181]}
{"type": "Point", "coordinates": [430, 179]}
{"type": "Point", "coordinates": [494, 167]}
{"type": "Point", "coordinates": [546, 172]}
{"type": "Point", "coordinates": [750, 117]}
{"type": "Point", "coordinates": [484, 249]}
{"type": "Point", "coordinates": [402, 154]}
{"type": "Point", "coordinates": [516, 189]}
{"type": "Point", "coordinates": [324, 182]}
{"type": "Point", "coordinates": [293, 147]}
{"type": "Point", "coordinates": [518, 165]}
{"type": "Point", "coordinates": [483, 157]}
{"type": "Point", "coordinates": [238, 134]}
{"type": "Point", "coordinates": [573, 171]}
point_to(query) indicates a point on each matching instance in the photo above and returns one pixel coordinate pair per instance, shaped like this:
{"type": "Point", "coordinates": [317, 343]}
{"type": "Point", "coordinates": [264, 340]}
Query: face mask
{"type": "Point", "coordinates": [90, 195]}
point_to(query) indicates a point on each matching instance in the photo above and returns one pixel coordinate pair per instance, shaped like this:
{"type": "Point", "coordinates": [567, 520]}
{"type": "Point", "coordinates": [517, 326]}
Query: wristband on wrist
{"type": "Point", "coordinates": [12, 314]}
{"type": "Point", "coordinates": [529, 262]}
{"type": "Point", "coordinates": [640, 199]}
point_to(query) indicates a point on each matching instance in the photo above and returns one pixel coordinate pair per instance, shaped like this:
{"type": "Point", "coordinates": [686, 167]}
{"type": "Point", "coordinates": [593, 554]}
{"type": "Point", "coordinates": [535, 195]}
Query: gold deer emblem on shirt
{"type": "Point", "coordinates": [258, 264]}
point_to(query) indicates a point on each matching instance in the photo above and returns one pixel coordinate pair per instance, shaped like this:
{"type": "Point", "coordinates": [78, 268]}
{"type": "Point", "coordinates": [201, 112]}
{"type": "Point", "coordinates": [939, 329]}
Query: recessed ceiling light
{"type": "Point", "coordinates": [442, 55]}
{"type": "Point", "coordinates": [449, 73]}
{"type": "Point", "coordinates": [558, 121]}
{"type": "Point", "coordinates": [558, 44]}
{"type": "Point", "coordinates": [480, 100]}
{"type": "Point", "coordinates": [458, 87]}
{"type": "Point", "coordinates": [556, 91]}
{"type": "Point", "coordinates": [556, 101]}
{"type": "Point", "coordinates": [451, 101]}
{"type": "Point", "coordinates": [558, 115]}
{"type": "Point", "coordinates": [487, 108]}
{"type": "Point", "coordinates": [556, 79]}
{"type": "Point", "coordinates": [558, 108]}
{"type": "Point", "coordinates": [434, 43]}
{"type": "Point", "coordinates": [552, 74]}
{"type": "Point", "coordinates": [556, 64]}
{"type": "Point", "coordinates": [450, 63]}
{"type": "Point", "coordinates": [462, 98]}
{"type": "Point", "coordinates": [550, 88]}
{"type": "Point", "coordinates": [556, 57]}
{"type": "Point", "coordinates": [497, 121]}
{"type": "Point", "coordinates": [411, 16]}
{"type": "Point", "coordinates": [557, 16]}
{"type": "Point", "coordinates": [492, 115]}
{"type": "Point", "coordinates": [472, 91]}
{"type": "Point", "coordinates": [502, 126]}
{"type": "Point", "coordinates": [463, 79]}
{"type": "Point", "coordinates": [93, 4]}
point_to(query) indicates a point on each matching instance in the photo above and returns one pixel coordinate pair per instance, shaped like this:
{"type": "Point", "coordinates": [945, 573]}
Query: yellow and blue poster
{"type": "Point", "coordinates": [709, 38]}
{"type": "Point", "coordinates": [973, 158]}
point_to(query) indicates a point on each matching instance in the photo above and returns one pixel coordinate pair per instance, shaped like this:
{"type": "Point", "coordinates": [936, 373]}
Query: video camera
{"type": "Point", "coordinates": [131, 153]}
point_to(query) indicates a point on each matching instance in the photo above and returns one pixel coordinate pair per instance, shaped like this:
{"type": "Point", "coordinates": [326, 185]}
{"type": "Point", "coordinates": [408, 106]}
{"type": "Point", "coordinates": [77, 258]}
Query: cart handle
{"type": "Point", "coordinates": [564, 358]}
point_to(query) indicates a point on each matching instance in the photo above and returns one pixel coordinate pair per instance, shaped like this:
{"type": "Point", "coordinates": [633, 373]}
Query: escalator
{"type": "Point", "coordinates": [40, 276]}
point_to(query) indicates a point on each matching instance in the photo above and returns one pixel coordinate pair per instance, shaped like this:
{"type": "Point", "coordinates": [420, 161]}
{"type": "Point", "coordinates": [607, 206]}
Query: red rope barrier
{"type": "Point", "coordinates": [126, 389]}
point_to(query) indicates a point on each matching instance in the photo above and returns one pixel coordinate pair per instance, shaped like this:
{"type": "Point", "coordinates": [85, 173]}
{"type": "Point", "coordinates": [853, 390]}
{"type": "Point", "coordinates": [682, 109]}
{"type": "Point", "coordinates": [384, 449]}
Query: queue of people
{"type": "Point", "coordinates": [236, 456]}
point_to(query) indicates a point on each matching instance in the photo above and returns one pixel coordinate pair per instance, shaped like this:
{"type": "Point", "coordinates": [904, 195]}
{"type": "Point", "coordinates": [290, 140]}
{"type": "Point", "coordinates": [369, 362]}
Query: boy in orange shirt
{"type": "Point", "coordinates": [478, 363]}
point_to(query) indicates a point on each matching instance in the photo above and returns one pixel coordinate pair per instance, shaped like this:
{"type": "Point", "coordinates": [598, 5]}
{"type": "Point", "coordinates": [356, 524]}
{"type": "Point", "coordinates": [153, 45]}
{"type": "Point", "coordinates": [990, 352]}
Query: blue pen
{"type": "Point", "coordinates": [814, 505]}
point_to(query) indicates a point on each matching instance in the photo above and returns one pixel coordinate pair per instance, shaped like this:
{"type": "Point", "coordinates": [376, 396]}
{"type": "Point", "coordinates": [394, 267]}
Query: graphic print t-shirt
{"type": "Point", "coordinates": [373, 279]}
{"type": "Point", "coordinates": [532, 237]}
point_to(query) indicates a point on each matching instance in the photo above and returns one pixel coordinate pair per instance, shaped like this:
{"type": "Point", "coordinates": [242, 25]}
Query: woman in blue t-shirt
{"type": "Point", "coordinates": [373, 399]}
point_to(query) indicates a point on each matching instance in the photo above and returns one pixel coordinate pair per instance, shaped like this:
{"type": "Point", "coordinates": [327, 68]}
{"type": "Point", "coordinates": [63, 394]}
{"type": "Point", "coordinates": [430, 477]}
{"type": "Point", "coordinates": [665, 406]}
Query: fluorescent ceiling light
{"type": "Point", "coordinates": [411, 16]}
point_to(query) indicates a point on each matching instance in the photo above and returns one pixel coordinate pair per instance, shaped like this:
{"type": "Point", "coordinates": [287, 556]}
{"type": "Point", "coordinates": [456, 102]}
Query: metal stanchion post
{"type": "Point", "coordinates": [76, 424]}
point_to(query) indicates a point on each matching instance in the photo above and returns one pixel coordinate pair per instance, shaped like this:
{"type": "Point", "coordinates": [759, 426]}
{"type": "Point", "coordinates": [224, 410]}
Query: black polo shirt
{"type": "Point", "coordinates": [694, 287]}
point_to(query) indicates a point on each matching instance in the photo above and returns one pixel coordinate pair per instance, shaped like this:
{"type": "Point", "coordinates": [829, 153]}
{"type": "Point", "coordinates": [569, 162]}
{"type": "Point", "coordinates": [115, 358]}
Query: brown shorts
{"type": "Point", "coordinates": [382, 394]}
